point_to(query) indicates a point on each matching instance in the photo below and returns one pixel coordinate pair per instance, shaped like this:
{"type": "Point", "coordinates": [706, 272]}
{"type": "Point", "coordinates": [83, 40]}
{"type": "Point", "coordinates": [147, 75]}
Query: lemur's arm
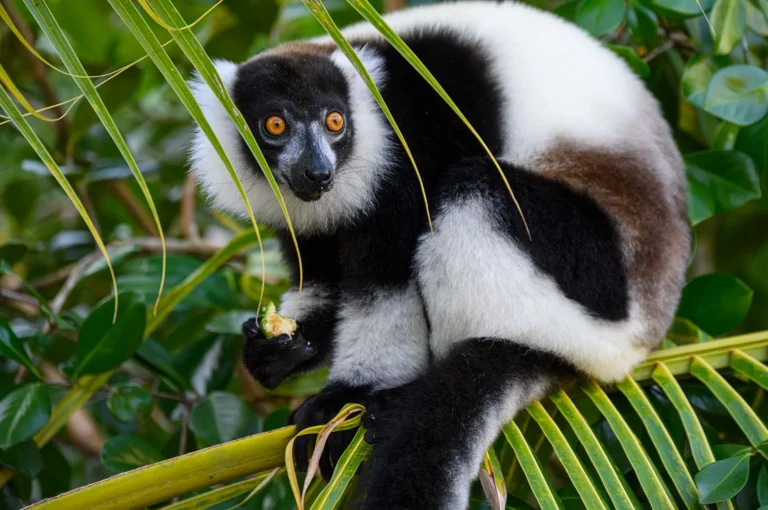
{"type": "Point", "coordinates": [271, 361]}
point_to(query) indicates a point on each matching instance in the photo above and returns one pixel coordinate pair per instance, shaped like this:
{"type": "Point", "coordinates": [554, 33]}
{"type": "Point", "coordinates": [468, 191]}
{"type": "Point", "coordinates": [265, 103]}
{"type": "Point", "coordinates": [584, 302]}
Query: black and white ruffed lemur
{"type": "Point", "coordinates": [445, 336]}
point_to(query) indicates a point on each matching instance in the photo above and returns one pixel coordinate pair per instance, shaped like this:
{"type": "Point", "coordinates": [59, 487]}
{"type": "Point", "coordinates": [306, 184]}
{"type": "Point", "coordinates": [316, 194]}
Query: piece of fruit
{"type": "Point", "coordinates": [273, 324]}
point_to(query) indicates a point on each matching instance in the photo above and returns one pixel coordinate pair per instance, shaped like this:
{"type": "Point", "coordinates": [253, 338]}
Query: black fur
{"type": "Point", "coordinates": [424, 427]}
{"type": "Point", "coordinates": [573, 239]}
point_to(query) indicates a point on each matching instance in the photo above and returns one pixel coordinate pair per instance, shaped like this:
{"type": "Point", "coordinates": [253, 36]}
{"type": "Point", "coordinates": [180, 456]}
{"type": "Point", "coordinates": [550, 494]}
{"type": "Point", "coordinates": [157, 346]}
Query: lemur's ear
{"type": "Point", "coordinates": [204, 95]}
{"type": "Point", "coordinates": [371, 59]}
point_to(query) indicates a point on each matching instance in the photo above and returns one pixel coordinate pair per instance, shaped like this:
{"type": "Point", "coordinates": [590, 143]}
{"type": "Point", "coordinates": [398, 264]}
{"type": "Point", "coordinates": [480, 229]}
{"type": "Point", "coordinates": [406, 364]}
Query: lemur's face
{"type": "Point", "coordinates": [297, 107]}
{"type": "Point", "coordinates": [318, 126]}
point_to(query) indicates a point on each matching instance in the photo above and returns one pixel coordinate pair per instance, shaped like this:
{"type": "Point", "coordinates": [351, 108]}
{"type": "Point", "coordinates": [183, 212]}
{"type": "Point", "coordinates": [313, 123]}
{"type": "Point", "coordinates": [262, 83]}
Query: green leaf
{"type": "Point", "coordinates": [56, 476]}
{"type": "Point", "coordinates": [600, 17]}
{"type": "Point", "coordinates": [638, 65]}
{"type": "Point", "coordinates": [583, 482]}
{"type": "Point", "coordinates": [540, 484]}
{"type": "Point", "coordinates": [155, 356]}
{"type": "Point", "coordinates": [723, 479]}
{"type": "Point", "coordinates": [715, 302]}
{"type": "Point", "coordinates": [757, 20]}
{"type": "Point", "coordinates": [344, 470]}
{"type": "Point", "coordinates": [22, 413]}
{"type": "Point", "coordinates": [723, 179]}
{"type": "Point", "coordinates": [726, 451]}
{"type": "Point", "coordinates": [698, 72]}
{"type": "Point", "coordinates": [643, 23]}
{"type": "Point", "coordinates": [701, 203]}
{"type": "Point", "coordinates": [124, 453]}
{"type": "Point", "coordinates": [103, 345]}
{"type": "Point", "coordinates": [738, 94]}
{"type": "Point", "coordinates": [229, 323]}
{"type": "Point", "coordinates": [309, 383]}
{"type": "Point", "coordinates": [128, 402]}
{"type": "Point", "coordinates": [12, 348]}
{"type": "Point", "coordinates": [24, 457]}
{"type": "Point", "coordinates": [12, 252]}
{"type": "Point", "coordinates": [762, 486]}
{"type": "Point", "coordinates": [220, 417]}
{"type": "Point", "coordinates": [753, 141]}
{"type": "Point", "coordinates": [683, 7]}
{"type": "Point", "coordinates": [276, 419]}
{"type": "Point", "coordinates": [728, 18]}
{"type": "Point", "coordinates": [685, 332]}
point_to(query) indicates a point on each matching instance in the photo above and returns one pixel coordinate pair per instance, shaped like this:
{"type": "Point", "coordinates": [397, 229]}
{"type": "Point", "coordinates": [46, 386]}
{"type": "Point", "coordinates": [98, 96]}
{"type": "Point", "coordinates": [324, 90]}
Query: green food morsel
{"type": "Point", "coordinates": [273, 324]}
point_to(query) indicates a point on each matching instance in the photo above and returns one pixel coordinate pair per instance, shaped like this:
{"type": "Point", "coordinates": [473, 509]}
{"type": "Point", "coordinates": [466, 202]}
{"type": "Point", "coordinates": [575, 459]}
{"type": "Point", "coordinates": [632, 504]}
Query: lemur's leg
{"type": "Point", "coordinates": [510, 319]}
{"type": "Point", "coordinates": [380, 341]}
{"type": "Point", "coordinates": [435, 434]}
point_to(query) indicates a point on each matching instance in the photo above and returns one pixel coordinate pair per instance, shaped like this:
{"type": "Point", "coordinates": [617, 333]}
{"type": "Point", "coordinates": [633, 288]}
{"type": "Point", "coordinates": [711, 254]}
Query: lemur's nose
{"type": "Point", "coordinates": [319, 175]}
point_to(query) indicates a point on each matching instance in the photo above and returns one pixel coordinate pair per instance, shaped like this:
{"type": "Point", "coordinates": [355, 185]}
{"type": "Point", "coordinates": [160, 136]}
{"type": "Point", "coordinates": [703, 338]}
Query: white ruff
{"type": "Point", "coordinates": [355, 183]}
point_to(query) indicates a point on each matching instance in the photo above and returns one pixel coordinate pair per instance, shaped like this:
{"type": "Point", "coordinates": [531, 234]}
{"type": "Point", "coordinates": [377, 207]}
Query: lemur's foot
{"type": "Point", "coordinates": [319, 410]}
{"type": "Point", "coordinates": [383, 410]}
{"type": "Point", "coordinates": [272, 360]}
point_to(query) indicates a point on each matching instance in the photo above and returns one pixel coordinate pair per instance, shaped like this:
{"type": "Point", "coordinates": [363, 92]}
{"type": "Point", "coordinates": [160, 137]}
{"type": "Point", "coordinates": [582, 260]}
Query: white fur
{"type": "Point", "coordinates": [313, 297]}
{"type": "Point", "coordinates": [557, 81]}
{"type": "Point", "coordinates": [478, 283]}
{"type": "Point", "coordinates": [462, 471]}
{"type": "Point", "coordinates": [354, 184]}
{"type": "Point", "coordinates": [381, 342]}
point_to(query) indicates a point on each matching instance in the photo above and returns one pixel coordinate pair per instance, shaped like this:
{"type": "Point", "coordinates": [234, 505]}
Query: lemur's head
{"type": "Point", "coordinates": [317, 126]}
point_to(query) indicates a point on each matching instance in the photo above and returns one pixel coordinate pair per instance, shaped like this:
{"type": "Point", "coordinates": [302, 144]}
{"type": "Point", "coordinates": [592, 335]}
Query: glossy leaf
{"type": "Point", "coordinates": [715, 302]}
{"type": "Point", "coordinates": [218, 418]}
{"type": "Point", "coordinates": [720, 181]}
{"type": "Point", "coordinates": [738, 94]}
{"type": "Point", "coordinates": [685, 332]}
{"type": "Point", "coordinates": [128, 402]}
{"type": "Point", "coordinates": [729, 21]}
{"type": "Point", "coordinates": [638, 65]}
{"type": "Point", "coordinates": [698, 72]}
{"type": "Point", "coordinates": [723, 479]}
{"type": "Point", "coordinates": [683, 7]}
{"type": "Point", "coordinates": [103, 345]}
{"type": "Point", "coordinates": [643, 23]}
{"type": "Point", "coordinates": [22, 413]}
{"type": "Point", "coordinates": [600, 17]}
{"type": "Point", "coordinates": [12, 348]}
{"type": "Point", "coordinates": [24, 457]}
{"type": "Point", "coordinates": [762, 486]}
{"type": "Point", "coordinates": [124, 453]}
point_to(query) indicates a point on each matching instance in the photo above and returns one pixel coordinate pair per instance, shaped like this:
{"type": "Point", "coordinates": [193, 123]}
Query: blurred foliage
{"type": "Point", "coordinates": [183, 388]}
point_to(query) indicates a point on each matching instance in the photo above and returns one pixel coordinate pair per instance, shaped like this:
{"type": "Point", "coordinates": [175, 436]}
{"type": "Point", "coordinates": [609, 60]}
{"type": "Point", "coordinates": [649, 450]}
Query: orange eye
{"type": "Point", "coordinates": [275, 125]}
{"type": "Point", "coordinates": [334, 121]}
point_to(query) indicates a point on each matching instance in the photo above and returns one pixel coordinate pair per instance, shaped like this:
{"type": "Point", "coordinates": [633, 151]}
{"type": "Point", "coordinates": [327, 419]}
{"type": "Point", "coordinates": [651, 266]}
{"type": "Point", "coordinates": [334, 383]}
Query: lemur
{"type": "Point", "coordinates": [446, 333]}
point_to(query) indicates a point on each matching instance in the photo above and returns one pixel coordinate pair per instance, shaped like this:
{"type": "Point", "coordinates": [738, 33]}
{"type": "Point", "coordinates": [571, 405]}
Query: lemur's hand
{"type": "Point", "coordinates": [272, 360]}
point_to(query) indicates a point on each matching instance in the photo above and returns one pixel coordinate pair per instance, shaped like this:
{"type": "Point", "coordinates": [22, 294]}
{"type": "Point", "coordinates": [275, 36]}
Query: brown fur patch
{"type": "Point", "coordinates": [300, 48]}
{"type": "Point", "coordinates": [650, 217]}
